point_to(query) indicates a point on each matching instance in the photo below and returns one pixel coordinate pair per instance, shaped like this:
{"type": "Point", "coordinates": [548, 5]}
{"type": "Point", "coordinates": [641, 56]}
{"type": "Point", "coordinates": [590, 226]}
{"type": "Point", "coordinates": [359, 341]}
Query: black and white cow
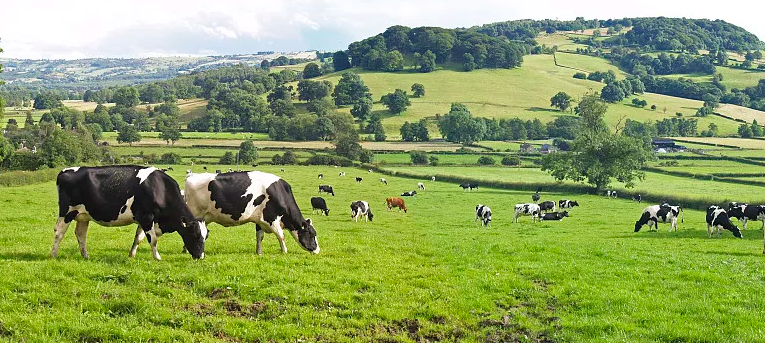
{"type": "Point", "coordinates": [409, 194]}
{"type": "Point", "coordinates": [421, 186]}
{"type": "Point", "coordinates": [655, 214]}
{"type": "Point", "coordinates": [358, 179]}
{"type": "Point", "coordinates": [238, 198]}
{"type": "Point", "coordinates": [567, 203]}
{"type": "Point", "coordinates": [468, 186]}
{"type": "Point", "coordinates": [341, 174]}
{"type": "Point", "coordinates": [611, 194]}
{"type": "Point", "coordinates": [432, 178]}
{"type": "Point", "coordinates": [532, 210]}
{"type": "Point", "coordinates": [321, 176]}
{"type": "Point", "coordinates": [638, 198]}
{"type": "Point", "coordinates": [122, 195]}
{"type": "Point", "coordinates": [535, 197]}
{"type": "Point", "coordinates": [326, 189]}
{"type": "Point", "coordinates": [745, 213]}
{"type": "Point", "coordinates": [319, 204]}
{"type": "Point", "coordinates": [483, 213]}
{"type": "Point", "coordinates": [383, 181]}
{"type": "Point", "coordinates": [547, 206]}
{"type": "Point", "coordinates": [361, 209]}
{"type": "Point", "coordinates": [553, 216]}
{"type": "Point", "coordinates": [717, 218]}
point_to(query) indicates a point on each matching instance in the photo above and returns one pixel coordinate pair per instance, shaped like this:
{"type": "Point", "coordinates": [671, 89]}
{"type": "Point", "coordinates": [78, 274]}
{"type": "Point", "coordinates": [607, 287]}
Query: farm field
{"type": "Point", "coordinates": [559, 281]}
{"type": "Point", "coordinates": [442, 158]}
{"type": "Point", "coordinates": [738, 142]}
{"type": "Point", "coordinates": [739, 112]}
{"type": "Point", "coordinates": [560, 40]}
{"type": "Point", "coordinates": [732, 77]}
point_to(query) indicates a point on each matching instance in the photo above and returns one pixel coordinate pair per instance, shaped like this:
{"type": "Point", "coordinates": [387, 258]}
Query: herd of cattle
{"type": "Point", "coordinates": [122, 195]}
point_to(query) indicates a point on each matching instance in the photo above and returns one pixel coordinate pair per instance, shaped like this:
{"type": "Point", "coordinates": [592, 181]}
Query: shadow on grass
{"type": "Point", "coordinates": [540, 109]}
{"type": "Point", "coordinates": [25, 256]}
{"type": "Point", "coordinates": [749, 235]}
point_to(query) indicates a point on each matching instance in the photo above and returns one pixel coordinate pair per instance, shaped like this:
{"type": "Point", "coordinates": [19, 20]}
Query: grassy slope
{"type": "Point", "coordinates": [732, 77]}
{"type": "Point", "coordinates": [523, 92]}
{"type": "Point", "coordinates": [588, 278]}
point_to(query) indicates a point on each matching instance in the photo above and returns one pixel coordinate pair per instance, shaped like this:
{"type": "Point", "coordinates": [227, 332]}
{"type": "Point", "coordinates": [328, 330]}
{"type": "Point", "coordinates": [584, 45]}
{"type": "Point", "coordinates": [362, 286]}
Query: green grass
{"type": "Point", "coordinates": [588, 63]}
{"type": "Point", "coordinates": [462, 159]}
{"type": "Point", "coordinates": [428, 274]}
{"type": "Point", "coordinates": [732, 77]}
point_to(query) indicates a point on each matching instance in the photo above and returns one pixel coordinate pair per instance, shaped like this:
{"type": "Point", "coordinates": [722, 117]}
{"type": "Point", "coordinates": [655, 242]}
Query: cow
{"type": "Point", "coordinates": [535, 197]}
{"type": "Point", "coordinates": [217, 171]}
{"type": "Point", "coordinates": [655, 214]}
{"type": "Point", "coordinates": [532, 210]}
{"type": "Point", "coordinates": [122, 195]}
{"type": "Point", "coordinates": [318, 204]}
{"type": "Point", "coordinates": [611, 194]}
{"type": "Point", "coordinates": [553, 216]}
{"type": "Point", "coordinates": [188, 172]}
{"type": "Point", "coordinates": [361, 209]}
{"type": "Point", "coordinates": [468, 186]}
{"type": "Point", "coordinates": [370, 171]}
{"type": "Point", "coordinates": [170, 169]}
{"type": "Point", "coordinates": [638, 198]}
{"type": "Point", "coordinates": [432, 178]}
{"type": "Point", "coordinates": [483, 213]}
{"type": "Point", "coordinates": [358, 179]}
{"type": "Point", "coordinates": [238, 198]}
{"type": "Point", "coordinates": [326, 189]}
{"type": "Point", "coordinates": [547, 206]}
{"type": "Point", "coordinates": [383, 181]}
{"type": "Point", "coordinates": [341, 174]}
{"type": "Point", "coordinates": [409, 194]}
{"type": "Point", "coordinates": [282, 170]}
{"type": "Point", "coordinates": [745, 212]}
{"type": "Point", "coordinates": [395, 202]}
{"type": "Point", "coordinates": [421, 186]}
{"type": "Point", "coordinates": [205, 167]}
{"type": "Point", "coordinates": [567, 204]}
{"type": "Point", "coordinates": [717, 218]}
{"type": "Point", "coordinates": [321, 176]}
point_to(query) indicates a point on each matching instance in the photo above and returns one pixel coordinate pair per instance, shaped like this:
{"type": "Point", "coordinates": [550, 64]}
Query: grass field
{"type": "Point", "coordinates": [560, 40]}
{"type": "Point", "coordinates": [739, 142]}
{"type": "Point", "coordinates": [431, 275]}
{"type": "Point", "coordinates": [732, 77]}
{"type": "Point", "coordinates": [739, 112]}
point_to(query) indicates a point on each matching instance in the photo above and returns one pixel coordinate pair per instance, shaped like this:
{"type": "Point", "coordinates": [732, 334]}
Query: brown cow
{"type": "Point", "coordinates": [395, 202]}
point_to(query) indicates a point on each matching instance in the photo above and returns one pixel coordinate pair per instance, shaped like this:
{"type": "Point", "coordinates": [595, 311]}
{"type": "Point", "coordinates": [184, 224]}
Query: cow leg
{"type": "Point", "coordinates": [58, 234]}
{"type": "Point", "coordinates": [744, 222]}
{"type": "Point", "coordinates": [81, 231]}
{"type": "Point", "coordinates": [139, 236]}
{"type": "Point", "coordinates": [153, 233]}
{"type": "Point", "coordinates": [276, 228]}
{"type": "Point", "coordinates": [259, 233]}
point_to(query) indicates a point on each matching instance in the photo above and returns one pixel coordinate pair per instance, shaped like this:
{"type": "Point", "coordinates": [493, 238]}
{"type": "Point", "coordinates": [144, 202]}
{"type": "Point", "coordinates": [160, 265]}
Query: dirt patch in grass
{"type": "Point", "coordinates": [5, 331]}
{"type": "Point", "coordinates": [236, 309]}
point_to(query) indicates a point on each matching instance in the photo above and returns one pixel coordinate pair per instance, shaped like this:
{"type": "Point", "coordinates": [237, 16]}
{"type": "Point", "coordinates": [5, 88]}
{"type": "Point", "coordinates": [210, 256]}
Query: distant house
{"type": "Point", "coordinates": [663, 143]}
{"type": "Point", "coordinates": [528, 148]}
{"type": "Point", "coordinates": [547, 149]}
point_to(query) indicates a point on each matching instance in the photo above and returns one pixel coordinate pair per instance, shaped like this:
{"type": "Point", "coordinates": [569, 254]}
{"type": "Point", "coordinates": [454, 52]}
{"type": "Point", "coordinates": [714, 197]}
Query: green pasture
{"type": "Point", "coordinates": [201, 135]}
{"type": "Point", "coordinates": [459, 159]}
{"type": "Point", "coordinates": [426, 275]}
{"type": "Point", "coordinates": [732, 77]}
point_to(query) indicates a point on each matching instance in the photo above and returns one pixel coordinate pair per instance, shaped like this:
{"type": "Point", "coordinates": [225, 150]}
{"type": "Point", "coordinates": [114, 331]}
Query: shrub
{"type": "Point", "coordinates": [228, 158]}
{"type": "Point", "coordinates": [276, 159]}
{"type": "Point", "coordinates": [433, 160]}
{"type": "Point", "coordinates": [511, 161]}
{"type": "Point", "coordinates": [653, 107]}
{"type": "Point", "coordinates": [328, 160]}
{"type": "Point", "coordinates": [580, 75]}
{"type": "Point", "coordinates": [419, 157]}
{"type": "Point", "coordinates": [288, 157]}
{"type": "Point", "coordinates": [25, 160]}
{"type": "Point", "coordinates": [170, 158]}
{"type": "Point", "coordinates": [486, 161]}
{"type": "Point", "coordinates": [366, 156]}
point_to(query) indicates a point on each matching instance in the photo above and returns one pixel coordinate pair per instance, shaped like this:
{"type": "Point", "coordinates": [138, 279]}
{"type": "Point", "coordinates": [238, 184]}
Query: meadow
{"type": "Point", "coordinates": [428, 275]}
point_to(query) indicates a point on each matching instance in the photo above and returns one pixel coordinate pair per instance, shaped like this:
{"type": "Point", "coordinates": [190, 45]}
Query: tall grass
{"type": "Point", "coordinates": [21, 178]}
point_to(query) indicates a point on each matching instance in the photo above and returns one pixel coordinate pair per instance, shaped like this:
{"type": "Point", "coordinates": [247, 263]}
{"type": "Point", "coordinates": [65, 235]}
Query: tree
{"type": "Point", "coordinates": [418, 90]}
{"type": "Point", "coordinates": [340, 61]}
{"type": "Point", "coordinates": [418, 157]}
{"type": "Point", "coordinates": [348, 147]}
{"type": "Point", "coordinates": [311, 70]}
{"type": "Point", "coordinates": [612, 93]}
{"type": "Point", "coordinates": [710, 100]}
{"type": "Point", "coordinates": [282, 108]}
{"type": "Point", "coordinates": [459, 126]}
{"type": "Point", "coordinates": [288, 157]}
{"type": "Point", "coordinates": [745, 131]}
{"type": "Point", "coordinates": [265, 65]}
{"type": "Point", "coordinates": [639, 103]}
{"type": "Point", "coordinates": [420, 131]}
{"type": "Point", "coordinates": [561, 101]}
{"type": "Point", "coordinates": [704, 111]}
{"type": "Point", "coordinates": [152, 93]}
{"type": "Point", "coordinates": [468, 62]}
{"type": "Point", "coordinates": [426, 61]}
{"type": "Point", "coordinates": [311, 90]}
{"type": "Point", "coordinates": [126, 96]}
{"type": "Point", "coordinates": [47, 100]}
{"type": "Point", "coordinates": [170, 134]}
{"type": "Point", "coordinates": [407, 133]}
{"type": "Point", "coordinates": [433, 160]}
{"type": "Point", "coordinates": [228, 158]}
{"type": "Point", "coordinates": [510, 161]}
{"type": "Point", "coordinates": [29, 121]}
{"type": "Point", "coordinates": [486, 161]}
{"type": "Point", "coordinates": [248, 153]}
{"type": "Point", "coordinates": [393, 61]}
{"type": "Point", "coordinates": [141, 122]}
{"type": "Point", "coordinates": [757, 130]}
{"type": "Point", "coordinates": [350, 89]}
{"type": "Point", "coordinates": [375, 127]}
{"type": "Point", "coordinates": [396, 102]}
{"type": "Point", "coordinates": [362, 108]}
{"type": "Point", "coordinates": [128, 134]}
{"type": "Point", "coordinates": [366, 156]}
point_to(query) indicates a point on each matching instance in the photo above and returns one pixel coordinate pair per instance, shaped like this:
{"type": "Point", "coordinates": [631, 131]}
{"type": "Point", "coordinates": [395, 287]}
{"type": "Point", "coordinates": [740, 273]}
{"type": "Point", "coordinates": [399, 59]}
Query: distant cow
{"type": "Point", "coordinates": [122, 195]}
{"type": "Point", "coordinates": [567, 203]}
{"type": "Point", "coordinates": [341, 174]}
{"type": "Point", "coordinates": [217, 171]}
{"type": "Point", "coordinates": [383, 181]}
{"type": "Point", "coordinates": [361, 209]}
{"type": "Point", "coordinates": [320, 205]}
{"type": "Point", "coordinates": [421, 186]}
{"type": "Point", "coordinates": [532, 210]}
{"type": "Point", "coordinates": [535, 197]}
{"type": "Point", "coordinates": [282, 170]}
{"type": "Point", "coordinates": [370, 170]}
{"type": "Point", "coordinates": [483, 213]}
{"type": "Point", "coordinates": [409, 194]}
{"type": "Point", "coordinates": [395, 202]}
{"type": "Point", "coordinates": [170, 168]}
{"type": "Point", "coordinates": [432, 178]}
{"type": "Point", "coordinates": [611, 194]}
{"type": "Point", "coordinates": [468, 186]}
{"type": "Point", "coordinates": [717, 218]}
{"type": "Point", "coordinates": [637, 198]}
{"type": "Point", "coordinates": [321, 176]}
{"type": "Point", "coordinates": [553, 215]}
{"type": "Point", "coordinates": [326, 189]}
{"type": "Point", "coordinates": [238, 198]}
{"type": "Point", "coordinates": [547, 206]}
{"type": "Point", "coordinates": [358, 179]}
{"type": "Point", "coordinates": [745, 212]}
{"type": "Point", "coordinates": [655, 214]}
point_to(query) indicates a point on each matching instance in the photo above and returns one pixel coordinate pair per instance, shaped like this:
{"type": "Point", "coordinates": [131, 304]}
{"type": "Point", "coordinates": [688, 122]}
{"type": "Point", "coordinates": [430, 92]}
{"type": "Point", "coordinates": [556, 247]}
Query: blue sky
{"type": "Point", "coordinates": [140, 28]}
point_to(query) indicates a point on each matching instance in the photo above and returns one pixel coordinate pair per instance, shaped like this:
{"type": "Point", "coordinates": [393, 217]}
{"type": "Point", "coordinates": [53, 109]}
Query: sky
{"type": "Point", "coordinates": [71, 29]}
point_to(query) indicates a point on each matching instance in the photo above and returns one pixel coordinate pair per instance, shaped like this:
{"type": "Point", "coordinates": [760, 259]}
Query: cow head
{"type": "Point", "coordinates": [326, 212]}
{"type": "Point", "coordinates": [306, 236]}
{"type": "Point", "coordinates": [369, 214]}
{"type": "Point", "coordinates": [638, 225]}
{"type": "Point", "coordinates": [194, 233]}
{"type": "Point", "coordinates": [564, 214]}
{"type": "Point", "coordinates": [736, 232]}
{"type": "Point", "coordinates": [574, 203]}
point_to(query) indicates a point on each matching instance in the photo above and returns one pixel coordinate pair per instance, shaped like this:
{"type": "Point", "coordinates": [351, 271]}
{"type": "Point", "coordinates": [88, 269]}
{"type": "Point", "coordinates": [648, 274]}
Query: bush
{"type": "Point", "coordinates": [25, 160]}
{"type": "Point", "coordinates": [511, 161]}
{"type": "Point", "coordinates": [419, 157]}
{"type": "Point", "coordinates": [170, 158]}
{"type": "Point", "coordinates": [328, 160]}
{"type": "Point", "coordinates": [433, 160]}
{"type": "Point", "coordinates": [366, 156]}
{"type": "Point", "coordinates": [653, 107]}
{"type": "Point", "coordinates": [288, 157]}
{"type": "Point", "coordinates": [486, 161]}
{"type": "Point", "coordinates": [228, 158]}
{"type": "Point", "coordinates": [276, 159]}
{"type": "Point", "coordinates": [580, 75]}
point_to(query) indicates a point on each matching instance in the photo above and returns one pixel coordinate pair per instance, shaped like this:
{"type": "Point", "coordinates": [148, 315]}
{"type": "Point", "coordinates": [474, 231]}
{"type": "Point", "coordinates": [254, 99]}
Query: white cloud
{"type": "Point", "coordinates": [97, 28]}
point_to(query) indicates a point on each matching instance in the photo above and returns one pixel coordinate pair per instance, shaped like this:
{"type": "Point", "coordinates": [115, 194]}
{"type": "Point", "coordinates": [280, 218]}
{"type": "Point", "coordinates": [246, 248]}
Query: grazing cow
{"type": "Point", "coordinates": [637, 198]}
{"type": "Point", "coordinates": [744, 213]}
{"type": "Point", "coordinates": [547, 206]}
{"type": "Point", "coordinates": [318, 204]}
{"type": "Point", "coordinates": [432, 178]}
{"type": "Point", "coordinates": [122, 195]}
{"type": "Point", "coordinates": [238, 198]}
{"type": "Point", "coordinates": [205, 167]}
{"type": "Point", "coordinates": [217, 171]}
{"type": "Point", "coordinates": [718, 218]}
{"type": "Point", "coordinates": [341, 174]}
{"type": "Point", "coordinates": [395, 202]}
{"type": "Point", "coordinates": [282, 170]}
{"type": "Point", "coordinates": [611, 194]}
{"type": "Point", "coordinates": [326, 189]}
{"type": "Point", "coordinates": [535, 197]}
{"type": "Point", "coordinates": [655, 214]}
{"type": "Point", "coordinates": [409, 194]}
{"type": "Point", "coordinates": [532, 210]}
{"type": "Point", "coordinates": [358, 179]}
{"type": "Point", "coordinates": [370, 171]}
{"type": "Point", "coordinates": [483, 213]}
{"type": "Point", "coordinates": [567, 203]}
{"type": "Point", "coordinates": [170, 168]}
{"type": "Point", "coordinates": [553, 216]}
{"type": "Point", "coordinates": [361, 209]}
{"type": "Point", "coordinates": [383, 181]}
{"type": "Point", "coordinates": [230, 170]}
{"type": "Point", "coordinates": [321, 176]}
{"type": "Point", "coordinates": [468, 186]}
{"type": "Point", "coordinates": [421, 186]}
{"type": "Point", "coordinates": [188, 172]}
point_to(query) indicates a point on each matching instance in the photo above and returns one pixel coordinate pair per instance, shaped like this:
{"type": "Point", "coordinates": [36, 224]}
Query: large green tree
{"type": "Point", "coordinates": [128, 134]}
{"type": "Point", "coordinates": [459, 126]}
{"type": "Point", "coordinates": [561, 101]}
{"type": "Point", "coordinates": [396, 102]}
{"type": "Point", "coordinates": [311, 70]}
{"type": "Point", "coordinates": [340, 61]}
{"type": "Point", "coordinates": [248, 153]}
{"type": "Point", "coordinates": [350, 89]}
{"type": "Point", "coordinates": [126, 96]}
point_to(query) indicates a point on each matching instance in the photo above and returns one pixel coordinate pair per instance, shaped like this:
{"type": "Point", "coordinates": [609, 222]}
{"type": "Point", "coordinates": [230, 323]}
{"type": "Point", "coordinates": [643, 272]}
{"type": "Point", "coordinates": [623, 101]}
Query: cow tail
{"type": "Point", "coordinates": [682, 216]}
